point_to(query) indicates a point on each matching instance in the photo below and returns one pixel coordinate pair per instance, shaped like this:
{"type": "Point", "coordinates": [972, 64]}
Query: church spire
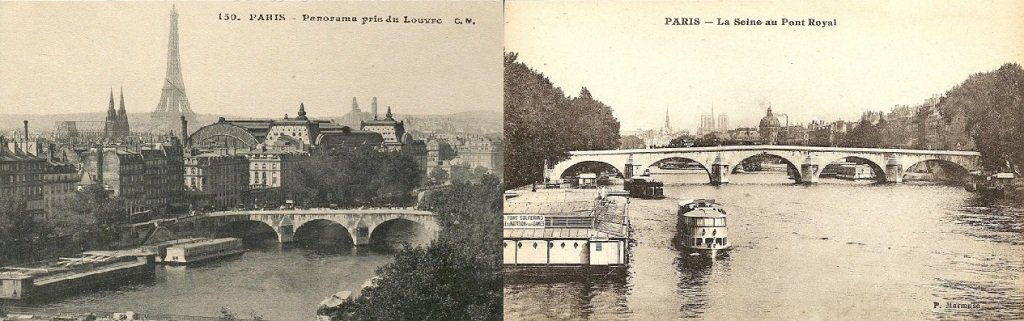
{"type": "Point", "coordinates": [121, 113]}
{"type": "Point", "coordinates": [111, 113]}
{"type": "Point", "coordinates": [668, 126]}
{"type": "Point", "coordinates": [355, 105]}
{"type": "Point", "coordinates": [122, 118]}
{"type": "Point", "coordinates": [388, 115]}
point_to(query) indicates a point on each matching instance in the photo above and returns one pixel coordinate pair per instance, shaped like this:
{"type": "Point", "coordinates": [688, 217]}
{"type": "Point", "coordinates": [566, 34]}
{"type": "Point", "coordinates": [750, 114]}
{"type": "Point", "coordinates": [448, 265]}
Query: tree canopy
{"type": "Point", "coordinates": [993, 103]}
{"type": "Point", "coordinates": [458, 276]}
{"type": "Point", "coordinates": [542, 123]}
{"type": "Point", "coordinates": [363, 177]}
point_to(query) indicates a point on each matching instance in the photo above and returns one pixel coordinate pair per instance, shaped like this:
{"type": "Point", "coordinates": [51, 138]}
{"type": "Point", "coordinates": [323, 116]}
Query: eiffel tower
{"type": "Point", "coordinates": [173, 101]}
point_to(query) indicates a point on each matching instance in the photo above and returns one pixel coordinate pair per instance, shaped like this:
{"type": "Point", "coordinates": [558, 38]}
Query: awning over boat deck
{"type": "Point", "coordinates": [556, 233]}
{"type": "Point", "coordinates": [569, 208]}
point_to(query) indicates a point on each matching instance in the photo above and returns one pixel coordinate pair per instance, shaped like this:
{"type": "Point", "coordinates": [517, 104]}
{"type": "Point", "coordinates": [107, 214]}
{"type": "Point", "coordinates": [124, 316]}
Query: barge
{"type": "Point", "coordinates": [702, 228]}
{"type": "Point", "coordinates": [160, 249]}
{"type": "Point", "coordinates": [203, 250]}
{"type": "Point", "coordinates": [644, 187]}
{"type": "Point", "coordinates": [71, 275]}
{"type": "Point", "coordinates": [569, 230]}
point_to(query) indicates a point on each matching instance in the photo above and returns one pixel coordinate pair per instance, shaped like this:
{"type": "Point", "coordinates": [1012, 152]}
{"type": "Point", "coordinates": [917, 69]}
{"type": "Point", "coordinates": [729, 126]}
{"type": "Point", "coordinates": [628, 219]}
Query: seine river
{"type": "Point", "coordinates": [839, 250]}
{"type": "Point", "coordinates": [278, 284]}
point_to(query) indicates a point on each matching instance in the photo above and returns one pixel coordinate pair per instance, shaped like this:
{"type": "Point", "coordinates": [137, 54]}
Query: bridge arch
{"type": "Point", "coordinates": [321, 228]}
{"type": "Point", "coordinates": [956, 171]}
{"type": "Point", "coordinates": [251, 232]}
{"type": "Point", "coordinates": [569, 166]}
{"type": "Point", "coordinates": [399, 230]}
{"type": "Point", "coordinates": [877, 165]}
{"type": "Point", "coordinates": [792, 162]}
{"type": "Point", "coordinates": [668, 158]}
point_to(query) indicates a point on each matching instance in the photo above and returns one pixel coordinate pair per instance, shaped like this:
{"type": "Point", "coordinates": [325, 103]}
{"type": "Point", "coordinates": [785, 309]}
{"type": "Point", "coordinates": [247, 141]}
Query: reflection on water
{"type": "Point", "coordinates": [840, 250]}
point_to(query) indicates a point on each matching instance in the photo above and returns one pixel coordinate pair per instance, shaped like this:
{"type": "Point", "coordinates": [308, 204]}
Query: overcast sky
{"type": "Point", "coordinates": [879, 55]}
{"type": "Point", "coordinates": [65, 57]}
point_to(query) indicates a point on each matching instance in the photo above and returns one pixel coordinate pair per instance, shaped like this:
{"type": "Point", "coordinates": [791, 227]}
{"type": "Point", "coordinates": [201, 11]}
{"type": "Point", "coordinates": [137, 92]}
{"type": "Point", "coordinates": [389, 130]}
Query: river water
{"type": "Point", "coordinates": [838, 250]}
{"type": "Point", "coordinates": [278, 284]}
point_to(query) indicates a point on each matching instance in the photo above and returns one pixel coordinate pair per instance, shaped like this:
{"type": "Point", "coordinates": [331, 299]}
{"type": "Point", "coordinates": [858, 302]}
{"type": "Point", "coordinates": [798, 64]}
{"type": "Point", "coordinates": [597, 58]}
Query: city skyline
{"type": "Point", "coordinates": [879, 55]}
{"type": "Point", "coordinates": [252, 68]}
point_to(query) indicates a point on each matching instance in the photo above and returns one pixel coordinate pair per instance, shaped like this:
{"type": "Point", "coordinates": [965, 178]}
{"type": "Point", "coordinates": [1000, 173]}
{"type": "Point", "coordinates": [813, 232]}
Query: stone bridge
{"type": "Point", "coordinates": [806, 161]}
{"type": "Point", "coordinates": [360, 224]}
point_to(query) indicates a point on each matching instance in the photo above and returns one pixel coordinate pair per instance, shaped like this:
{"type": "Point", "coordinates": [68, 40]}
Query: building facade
{"type": "Point", "coordinates": [22, 177]}
{"type": "Point", "coordinates": [120, 172]}
{"type": "Point", "coordinates": [217, 180]}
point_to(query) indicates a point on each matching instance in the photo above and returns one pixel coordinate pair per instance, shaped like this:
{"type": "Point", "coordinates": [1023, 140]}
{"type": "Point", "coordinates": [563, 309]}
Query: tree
{"type": "Point", "coordinates": [631, 142]}
{"type": "Point", "coordinates": [363, 177]}
{"type": "Point", "coordinates": [458, 276]}
{"type": "Point", "coordinates": [993, 103]}
{"type": "Point", "coordinates": [20, 229]}
{"type": "Point", "coordinates": [437, 177]}
{"type": "Point", "coordinates": [542, 123]}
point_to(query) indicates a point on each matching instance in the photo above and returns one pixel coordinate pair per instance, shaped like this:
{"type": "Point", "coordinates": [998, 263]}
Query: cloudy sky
{"type": "Point", "coordinates": [65, 57]}
{"type": "Point", "coordinates": [879, 54]}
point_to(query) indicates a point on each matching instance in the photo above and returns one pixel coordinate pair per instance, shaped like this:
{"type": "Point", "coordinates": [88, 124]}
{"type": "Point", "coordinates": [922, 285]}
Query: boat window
{"type": "Point", "coordinates": [696, 241]}
{"type": "Point", "coordinates": [708, 241]}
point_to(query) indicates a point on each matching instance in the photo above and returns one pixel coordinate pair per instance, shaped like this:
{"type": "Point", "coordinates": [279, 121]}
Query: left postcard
{"type": "Point", "coordinates": [251, 160]}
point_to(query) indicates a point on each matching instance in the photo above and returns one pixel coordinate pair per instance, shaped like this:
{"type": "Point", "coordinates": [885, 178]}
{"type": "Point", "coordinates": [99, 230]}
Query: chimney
{"type": "Point", "coordinates": [184, 131]}
{"type": "Point", "coordinates": [99, 164]}
{"type": "Point", "coordinates": [26, 131]}
{"type": "Point", "coordinates": [373, 107]}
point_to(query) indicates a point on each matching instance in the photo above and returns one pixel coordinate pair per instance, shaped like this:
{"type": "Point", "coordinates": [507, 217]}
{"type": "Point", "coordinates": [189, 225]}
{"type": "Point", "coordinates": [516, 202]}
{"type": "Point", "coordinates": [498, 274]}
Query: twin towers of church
{"type": "Point", "coordinates": [116, 125]}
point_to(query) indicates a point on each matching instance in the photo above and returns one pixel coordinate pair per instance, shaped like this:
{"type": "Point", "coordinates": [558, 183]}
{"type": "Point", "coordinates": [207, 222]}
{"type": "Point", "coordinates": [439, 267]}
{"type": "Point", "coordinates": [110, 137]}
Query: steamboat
{"type": "Point", "coordinates": [701, 227]}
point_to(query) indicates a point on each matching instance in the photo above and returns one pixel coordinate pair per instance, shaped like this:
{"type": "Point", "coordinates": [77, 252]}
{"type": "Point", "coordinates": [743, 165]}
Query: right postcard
{"type": "Point", "coordinates": [764, 160]}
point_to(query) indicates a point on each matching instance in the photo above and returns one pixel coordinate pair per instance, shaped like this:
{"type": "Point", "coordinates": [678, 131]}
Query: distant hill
{"type": "Point", "coordinates": [467, 121]}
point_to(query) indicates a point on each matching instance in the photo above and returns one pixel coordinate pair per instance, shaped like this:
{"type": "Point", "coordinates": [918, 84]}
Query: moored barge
{"type": "Point", "coordinates": [205, 250]}
{"type": "Point", "coordinates": [71, 275]}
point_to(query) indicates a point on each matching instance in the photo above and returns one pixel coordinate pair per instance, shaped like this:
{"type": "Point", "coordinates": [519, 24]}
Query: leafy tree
{"type": "Point", "coordinates": [458, 276]}
{"type": "Point", "coordinates": [993, 103]}
{"type": "Point", "coordinates": [20, 229]}
{"type": "Point", "coordinates": [542, 123]}
{"type": "Point", "coordinates": [95, 204]}
{"type": "Point", "coordinates": [437, 177]}
{"type": "Point", "coordinates": [363, 177]}
{"type": "Point", "coordinates": [631, 142]}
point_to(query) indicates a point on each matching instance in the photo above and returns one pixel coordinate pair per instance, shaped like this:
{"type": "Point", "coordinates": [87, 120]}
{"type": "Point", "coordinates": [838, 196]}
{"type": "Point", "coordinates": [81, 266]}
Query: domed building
{"type": "Point", "coordinates": [769, 128]}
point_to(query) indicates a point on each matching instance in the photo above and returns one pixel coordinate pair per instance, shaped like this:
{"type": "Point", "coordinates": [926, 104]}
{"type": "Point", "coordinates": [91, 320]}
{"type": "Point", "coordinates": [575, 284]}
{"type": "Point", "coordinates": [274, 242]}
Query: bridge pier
{"type": "Point", "coordinates": [719, 172]}
{"type": "Point", "coordinates": [628, 173]}
{"type": "Point", "coordinates": [285, 234]}
{"type": "Point", "coordinates": [808, 173]}
{"type": "Point", "coordinates": [893, 170]}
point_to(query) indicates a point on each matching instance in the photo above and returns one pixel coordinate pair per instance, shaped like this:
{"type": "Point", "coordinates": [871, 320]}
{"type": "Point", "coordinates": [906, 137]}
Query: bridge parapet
{"type": "Point", "coordinates": [805, 162]}
{"type": "Point", "coordinates": [359, 223]}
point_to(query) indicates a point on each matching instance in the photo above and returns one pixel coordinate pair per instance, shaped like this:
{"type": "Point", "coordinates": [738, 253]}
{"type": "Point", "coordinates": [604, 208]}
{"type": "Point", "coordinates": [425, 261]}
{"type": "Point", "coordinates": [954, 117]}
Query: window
{"type": "Point", "coordinates": [597, 246]}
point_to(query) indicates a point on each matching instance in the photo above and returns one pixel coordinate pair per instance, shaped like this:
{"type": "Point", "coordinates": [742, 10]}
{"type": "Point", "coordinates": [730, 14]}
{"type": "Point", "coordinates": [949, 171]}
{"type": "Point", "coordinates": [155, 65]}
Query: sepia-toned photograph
{"type": "Point", "coordinates": [250, 160]}
{"type": "Point", "coordinates": [773, 160]}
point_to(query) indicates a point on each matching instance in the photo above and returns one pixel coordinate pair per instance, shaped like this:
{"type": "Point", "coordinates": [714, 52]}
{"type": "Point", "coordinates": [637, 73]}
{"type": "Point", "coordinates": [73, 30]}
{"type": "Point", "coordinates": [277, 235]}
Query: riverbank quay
{"type": "Point", "coordinates": [565, 230]}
